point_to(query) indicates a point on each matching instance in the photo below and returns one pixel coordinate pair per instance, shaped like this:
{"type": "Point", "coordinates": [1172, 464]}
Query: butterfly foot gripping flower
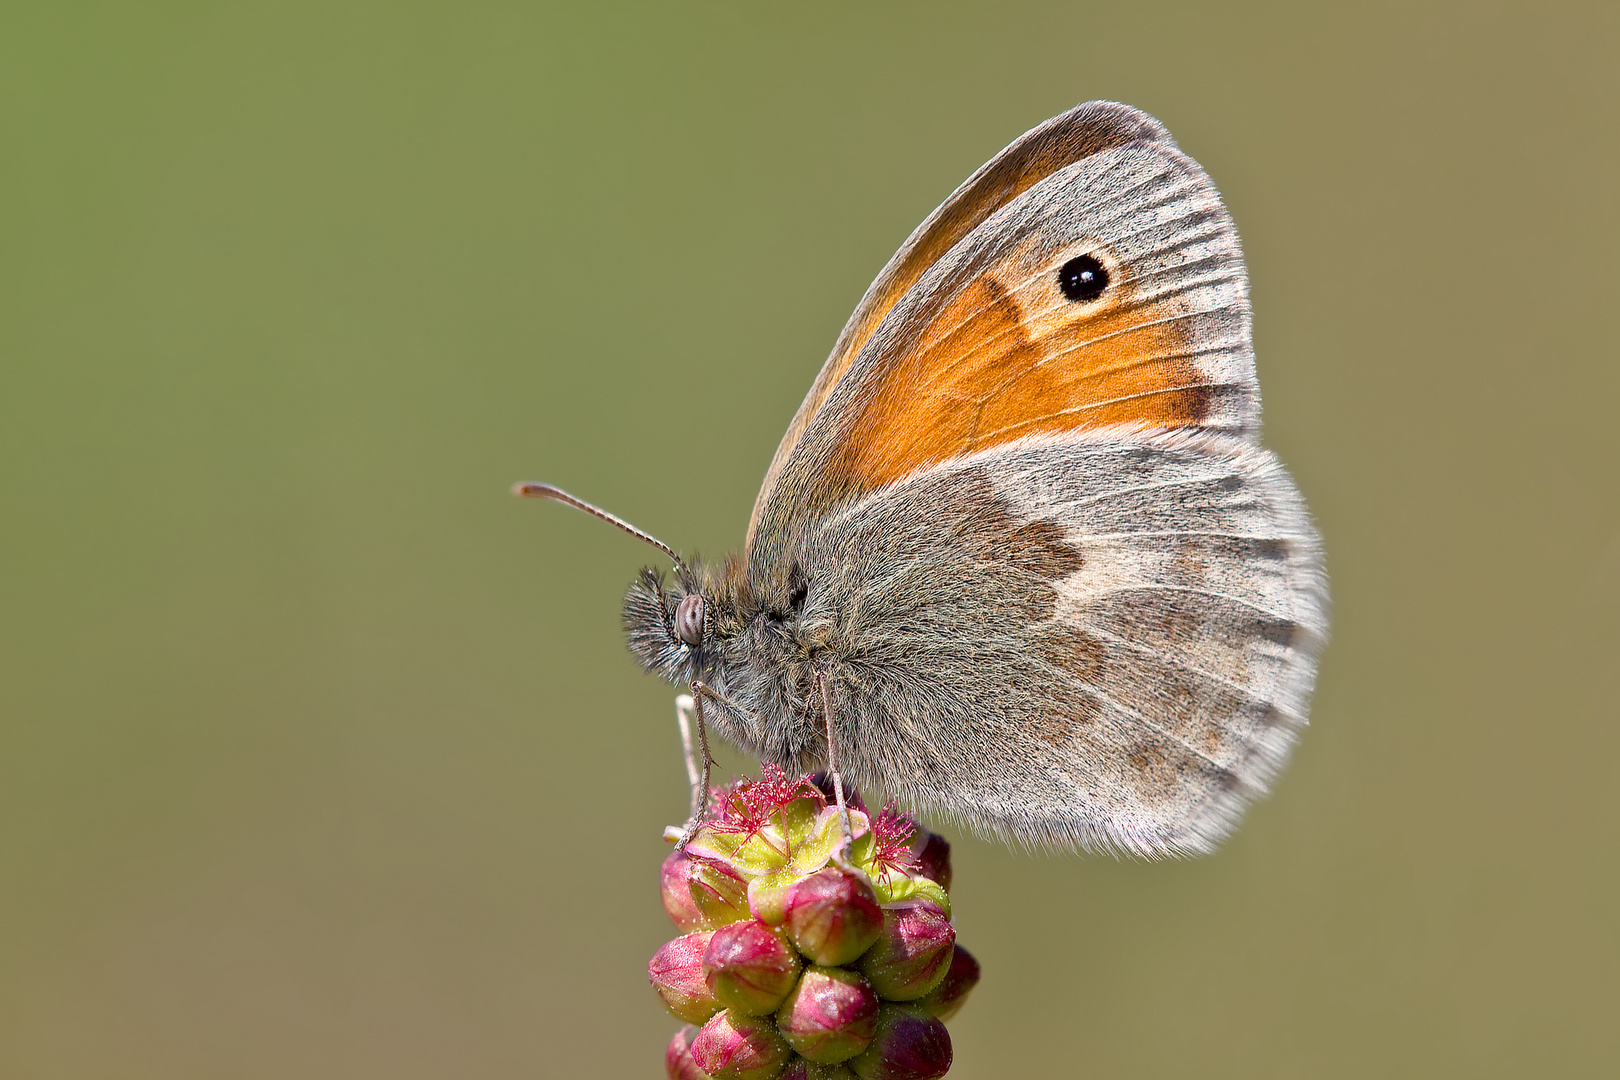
{"type": "Point", "coordinates": [806, 953]}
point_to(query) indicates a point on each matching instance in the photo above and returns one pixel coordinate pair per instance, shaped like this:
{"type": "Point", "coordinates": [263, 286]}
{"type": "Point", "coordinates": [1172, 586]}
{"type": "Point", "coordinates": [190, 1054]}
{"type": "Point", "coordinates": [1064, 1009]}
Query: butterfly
{"type": "Point", "coordinates": [1020, 560]}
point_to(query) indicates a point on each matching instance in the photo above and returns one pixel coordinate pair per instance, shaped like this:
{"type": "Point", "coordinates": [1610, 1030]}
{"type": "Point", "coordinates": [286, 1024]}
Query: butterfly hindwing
{"type": "Point", "coordinates": [1100, 639]}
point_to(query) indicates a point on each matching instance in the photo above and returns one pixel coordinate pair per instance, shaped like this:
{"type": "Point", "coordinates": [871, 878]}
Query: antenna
{"type": "Point", "coordinates": [532, 490]}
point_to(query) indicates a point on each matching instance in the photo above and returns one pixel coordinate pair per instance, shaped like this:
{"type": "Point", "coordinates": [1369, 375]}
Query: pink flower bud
{"type": "Point", "coordinates": [913, 952]}
{"type": "Point", "coordinates": [676, 972]}
{"type": "Point", "coordinates": [749, 968]}
{"type": "Point", "coordinates": [677, 896]}
{"type": "Point", "coordinates": [701, 894]}
{"type": "Point", "coordinates": [678, 1061]}
{"type": "Point", "coordinates": [833, 916]}
{"type": "Point", "coordinates": [830, 1015]}
{"type": "Point", "coordinates": [909, 1045]}
{"type": "Point", "coordinates": [800, 1069]}
{"type": "Point", "coordinates": [740, 1048]}
{"type": "Point", "coordinates": [949, 995]}
{"type": "Point", "coordinates": [934, 858]}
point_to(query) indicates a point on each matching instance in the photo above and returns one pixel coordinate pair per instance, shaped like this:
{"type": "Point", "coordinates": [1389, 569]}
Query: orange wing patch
{"type": "Point", "coordinates": [1000, 363]}
{"type": "Point", "coordinates": [1079, 133]}
{"type": "Point", "coordinates": [994, 343]}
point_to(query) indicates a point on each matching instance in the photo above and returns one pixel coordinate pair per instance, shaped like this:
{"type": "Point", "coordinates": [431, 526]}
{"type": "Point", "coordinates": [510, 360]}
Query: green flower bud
{"type": "Point", "coordinates": [740, 1048]}
{"type": "Point", "coordinates": [950, 994]}
{"type": "Point", "coordinates": [830, 1016]}
{"type": "Point", "coordinates": [716, 892]}
{"type": "Point", "coordinates": [750, 968]}
{"type": "Point", "coordinates": [676, 972]}
{"type": "Point", "coordinates": [913, 951]}
{"type": "Point", "coordinates": [767, 898]}
{"type": "Point", "coordinates": [909, 1045]}
{"type": "Point", "coordinates": [897, 887]}
{"type": "Point", "coordinates": [833, 916]}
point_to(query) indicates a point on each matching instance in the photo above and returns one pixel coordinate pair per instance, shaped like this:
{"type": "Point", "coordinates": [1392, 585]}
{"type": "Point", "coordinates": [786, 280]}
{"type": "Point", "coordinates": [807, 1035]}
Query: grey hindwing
{"type": "Point", "coordinates": [1104, 640]}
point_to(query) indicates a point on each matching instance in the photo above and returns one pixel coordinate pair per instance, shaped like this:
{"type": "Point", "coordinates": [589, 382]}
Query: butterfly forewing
{"type": "Point", "coordinates": [1085, 130]}
{"type": "Point", "coordinates": [988, 348]}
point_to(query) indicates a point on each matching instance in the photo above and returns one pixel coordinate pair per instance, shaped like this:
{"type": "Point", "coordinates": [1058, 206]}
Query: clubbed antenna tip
{"type": "Point", "coordinates": [531, 490]}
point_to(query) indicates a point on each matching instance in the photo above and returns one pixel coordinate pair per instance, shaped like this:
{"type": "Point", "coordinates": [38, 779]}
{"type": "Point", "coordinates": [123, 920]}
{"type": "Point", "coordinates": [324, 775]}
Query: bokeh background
{"type": "Point", "coordinates": [320, 756]}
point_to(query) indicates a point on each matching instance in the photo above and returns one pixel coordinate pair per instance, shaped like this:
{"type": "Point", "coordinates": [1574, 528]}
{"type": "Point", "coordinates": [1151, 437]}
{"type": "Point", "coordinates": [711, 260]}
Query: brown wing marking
{"type": "Point", "coordinates": [1103, 639]}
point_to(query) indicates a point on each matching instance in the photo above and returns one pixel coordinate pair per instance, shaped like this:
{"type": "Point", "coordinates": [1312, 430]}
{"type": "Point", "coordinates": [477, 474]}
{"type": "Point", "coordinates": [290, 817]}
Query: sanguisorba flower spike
{"type": "Point", "coordinates": [798, 961]}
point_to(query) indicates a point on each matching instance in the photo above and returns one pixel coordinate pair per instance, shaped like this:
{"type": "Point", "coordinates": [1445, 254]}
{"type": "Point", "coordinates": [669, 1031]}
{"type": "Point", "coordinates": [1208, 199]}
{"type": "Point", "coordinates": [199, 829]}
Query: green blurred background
{"type": "Point", "coordinates": [321, 756]}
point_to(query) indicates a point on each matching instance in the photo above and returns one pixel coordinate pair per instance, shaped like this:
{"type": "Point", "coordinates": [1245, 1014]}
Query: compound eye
{"type": "Point", "coordinates": [689, 620]}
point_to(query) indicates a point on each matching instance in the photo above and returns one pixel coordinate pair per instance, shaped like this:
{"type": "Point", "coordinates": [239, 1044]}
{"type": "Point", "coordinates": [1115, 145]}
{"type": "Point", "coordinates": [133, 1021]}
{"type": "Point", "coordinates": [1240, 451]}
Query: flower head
{"type": "Point", "coordinates": [808, 954]}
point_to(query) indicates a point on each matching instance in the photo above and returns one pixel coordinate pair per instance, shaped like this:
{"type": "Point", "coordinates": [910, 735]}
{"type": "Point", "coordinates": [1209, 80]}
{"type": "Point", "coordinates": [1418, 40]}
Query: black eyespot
{"type": "Point", "coordinates": [689, 620]}
{"type": "Point", "coordinates": [1083, 278]}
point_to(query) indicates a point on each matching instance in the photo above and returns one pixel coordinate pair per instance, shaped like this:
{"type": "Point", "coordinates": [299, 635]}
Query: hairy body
{"type": "Point", "coordinates": [1021, 527]}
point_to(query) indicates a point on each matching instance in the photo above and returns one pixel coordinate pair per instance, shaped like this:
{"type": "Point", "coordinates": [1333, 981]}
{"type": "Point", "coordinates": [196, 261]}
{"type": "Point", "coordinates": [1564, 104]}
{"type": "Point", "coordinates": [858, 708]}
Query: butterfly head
{"type": "Point", "coordinates": [679, 628]}
{"type": "Point", "coordinates": [665, 623]}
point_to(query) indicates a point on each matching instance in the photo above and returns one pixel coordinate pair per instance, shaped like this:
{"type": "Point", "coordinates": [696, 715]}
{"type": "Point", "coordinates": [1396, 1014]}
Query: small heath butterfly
{"type": "Point", "coordinates": [1020, 560]}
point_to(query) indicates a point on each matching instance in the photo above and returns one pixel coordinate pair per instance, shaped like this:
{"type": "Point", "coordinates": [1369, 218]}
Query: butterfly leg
{"type": "Point", "coordinates": [684, 704]}
{"type": "Point", "coordinates": [832, 762]}
{"type": "Point", "coordinates": [689, 707]}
